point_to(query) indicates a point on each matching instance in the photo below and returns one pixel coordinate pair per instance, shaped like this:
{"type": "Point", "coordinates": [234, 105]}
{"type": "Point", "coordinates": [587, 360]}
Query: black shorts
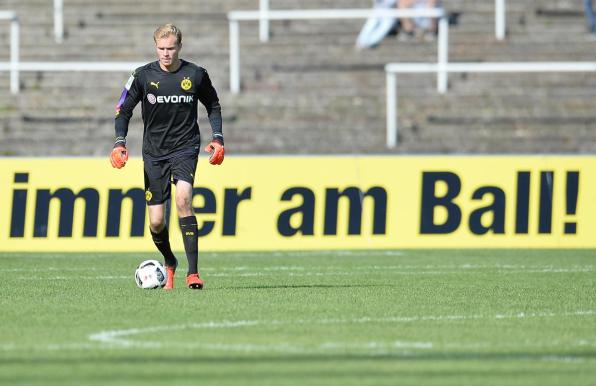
{"type": "Point", "coordinates": [159, 175]}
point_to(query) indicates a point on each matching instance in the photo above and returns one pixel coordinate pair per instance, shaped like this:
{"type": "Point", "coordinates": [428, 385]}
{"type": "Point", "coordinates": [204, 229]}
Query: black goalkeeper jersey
{"type": "Point", "coordinates": [169, 108]}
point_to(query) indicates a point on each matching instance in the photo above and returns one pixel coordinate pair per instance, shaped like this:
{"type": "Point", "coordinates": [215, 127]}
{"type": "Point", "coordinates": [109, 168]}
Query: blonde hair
{"type": "Point", "coordinates": [163, 31]}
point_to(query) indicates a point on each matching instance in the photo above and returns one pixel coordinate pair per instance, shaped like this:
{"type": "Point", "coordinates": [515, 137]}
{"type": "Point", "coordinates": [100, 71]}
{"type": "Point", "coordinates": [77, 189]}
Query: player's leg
{"type": "Point", "coordinates": [188, 226]}
{"type": "Point", "coordinates": [183, 173]}
{"type": "Point", "coordinates": [159, 232]}
{"type": "Point", "coordinates": [157, 192]}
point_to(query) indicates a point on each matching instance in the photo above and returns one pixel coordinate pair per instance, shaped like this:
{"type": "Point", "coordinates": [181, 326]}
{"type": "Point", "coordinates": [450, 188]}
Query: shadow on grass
{"type": "Point", "coordinates": [300, 286]}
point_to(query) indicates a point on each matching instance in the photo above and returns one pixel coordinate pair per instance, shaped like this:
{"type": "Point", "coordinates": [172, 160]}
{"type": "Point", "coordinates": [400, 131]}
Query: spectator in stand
{"type": "Point", "coordinates": [590, 16]}
{"type": "Point", "coordinates": [376, 28]}
{"type": "Point", "coordinates": [427, 27]}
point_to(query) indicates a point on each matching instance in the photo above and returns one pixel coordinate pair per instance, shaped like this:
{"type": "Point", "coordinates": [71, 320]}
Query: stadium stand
{"type": "Point", "coordinates": [308, 90]}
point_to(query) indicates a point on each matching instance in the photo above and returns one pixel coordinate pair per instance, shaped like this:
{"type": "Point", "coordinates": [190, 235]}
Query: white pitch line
{"type": "Point", "coordinates": [300, 254]}
{"type": "Point", "coordinates": [440, 267]}
{"type": "Point", "coordinates": [114, 336]}
{"type": "Point", "coordinates": [47, 268]}
{"type": "Point", "coordinates": [293, 272]}
{"type": "Point", "coordinates": [374, 348]}
{"type": "Point", "coordinates": [362, 269]}
{"type": "Point", "coordinates": [117, 337]}
{"type": "Point", "coordinates": [377, 345]}
{"type": "Point", "coordinates": [564, 358]}
{"type": "Point", "coordinates": [389, 272]}
{"type": "Point", "coordinates": [74, 277]}
{"type": "Point", "coordinates": [122, 339]}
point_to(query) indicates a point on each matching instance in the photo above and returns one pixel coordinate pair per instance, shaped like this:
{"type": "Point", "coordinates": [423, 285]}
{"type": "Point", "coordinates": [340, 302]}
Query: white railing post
{"type": "Point", "coordinates": [443, 48]}
{"type": "Point", "coordinates": [500, 19]}
{"type": "Point", "coordinates": [392, 69]}
{"type": "Point", "coordinates": [264, 20]}
{"type": "Point", "coordinates": [59, 21]}
{"type": "Point", "coordinates": [264, 14]}
{"type": "Point", "coordinates": [391, 84]}
{"type": "Point", "coordinates": [14, 55]}
{"type": "Point", "coordinates": [234, 56]}
{"type": "Point", "coordinates": [13, 65]}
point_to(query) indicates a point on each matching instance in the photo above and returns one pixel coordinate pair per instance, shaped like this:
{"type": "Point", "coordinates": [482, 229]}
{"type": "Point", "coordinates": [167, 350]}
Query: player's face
{"type": "Point", "coordinates": [167, 51]}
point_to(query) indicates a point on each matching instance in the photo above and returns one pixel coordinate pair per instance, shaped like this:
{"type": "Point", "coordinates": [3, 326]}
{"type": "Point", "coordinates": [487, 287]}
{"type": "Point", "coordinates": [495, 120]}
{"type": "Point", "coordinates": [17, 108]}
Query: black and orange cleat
{"type": "Point", "coordinates": [170, 279]}
{"type": "Point", "coordinates": [193, 281]}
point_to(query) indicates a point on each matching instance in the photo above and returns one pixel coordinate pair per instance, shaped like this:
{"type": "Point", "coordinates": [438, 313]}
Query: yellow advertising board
{"type": "Point", "coordinates": [300, 203]}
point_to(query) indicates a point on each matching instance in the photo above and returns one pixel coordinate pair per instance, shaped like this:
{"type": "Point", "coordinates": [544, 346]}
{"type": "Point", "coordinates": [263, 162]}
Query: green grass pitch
{"type": "Point", "coordinates": [412, 317]}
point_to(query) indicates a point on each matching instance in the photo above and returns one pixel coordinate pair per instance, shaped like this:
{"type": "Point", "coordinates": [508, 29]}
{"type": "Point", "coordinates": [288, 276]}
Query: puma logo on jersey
{"type": "Point", "coordinates": [155, 84]}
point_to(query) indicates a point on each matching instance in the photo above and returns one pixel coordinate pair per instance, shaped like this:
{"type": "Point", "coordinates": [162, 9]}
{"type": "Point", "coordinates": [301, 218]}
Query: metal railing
{"type": "Point", "coordinates": [59, 21]}
{"type": "Point", "coordinates": [500, 20]}
{"type": "Point", "coordinates": [13, 65]}
{"type": "Point", "coordinates": [392, 69]}
{"type": "Point", "coordinates": [74, 66]}
{"type": "Point", "coordinates": [17, 67]}
{"type": "Point", "coordinates": [500, 23]}
{"type": "Point", "coordinates": [235, 17]}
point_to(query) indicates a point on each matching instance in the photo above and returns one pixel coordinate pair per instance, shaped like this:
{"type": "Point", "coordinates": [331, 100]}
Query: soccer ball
{"type": "Point", "coordinates": [150, 274]}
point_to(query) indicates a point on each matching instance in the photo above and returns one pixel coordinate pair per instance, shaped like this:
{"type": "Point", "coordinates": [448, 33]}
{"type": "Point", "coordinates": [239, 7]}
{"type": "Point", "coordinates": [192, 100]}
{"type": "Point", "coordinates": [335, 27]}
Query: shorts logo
{"type": "Point", "coordinates": [148, 195]}
{"type": "Point", "coordinates": [186, 84]}
{"type": "Point", "coordinates": [151, 98]}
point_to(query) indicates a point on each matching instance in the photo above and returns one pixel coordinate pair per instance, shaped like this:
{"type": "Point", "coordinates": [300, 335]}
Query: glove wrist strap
{"type": "Point", "coordinates": [218, 138]}
{"type": "Point", "coordinates": [120, 142]}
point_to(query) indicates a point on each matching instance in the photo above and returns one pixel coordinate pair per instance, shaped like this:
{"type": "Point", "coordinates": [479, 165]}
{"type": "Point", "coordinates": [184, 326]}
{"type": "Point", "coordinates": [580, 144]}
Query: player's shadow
{"type": "Point", "coordinates": [300, 286]}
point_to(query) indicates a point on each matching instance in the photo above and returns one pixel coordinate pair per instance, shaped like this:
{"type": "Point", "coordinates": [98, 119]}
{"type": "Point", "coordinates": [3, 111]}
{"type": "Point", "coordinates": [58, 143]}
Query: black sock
{"type": "Point", "coordinates": [190, 237]}
{"type": "Point", "coordinates": [162, 242]}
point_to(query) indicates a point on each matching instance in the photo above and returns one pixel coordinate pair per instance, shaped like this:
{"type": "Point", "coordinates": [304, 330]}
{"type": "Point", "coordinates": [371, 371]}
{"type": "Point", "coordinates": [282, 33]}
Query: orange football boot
{"type": "Point", "coordinates": [193, 281]}
{"type": "Point", "coordinates": [170, 280]}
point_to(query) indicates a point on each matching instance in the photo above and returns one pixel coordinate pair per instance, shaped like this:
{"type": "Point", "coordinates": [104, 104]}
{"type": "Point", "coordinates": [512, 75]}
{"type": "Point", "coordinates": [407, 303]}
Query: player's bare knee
{"type": "Point", "coordinates": [184, 211]}
{"type": "Point", "coordinates": [156, 225]}
{"type": "Point", "coordinates": [183, 204]}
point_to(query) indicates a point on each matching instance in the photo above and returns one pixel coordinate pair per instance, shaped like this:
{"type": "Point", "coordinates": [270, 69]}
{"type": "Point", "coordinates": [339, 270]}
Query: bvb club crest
{"type": "Point", "coordinates": [186, 84]}
{"type": "Point", "coordinates": [148, 195]}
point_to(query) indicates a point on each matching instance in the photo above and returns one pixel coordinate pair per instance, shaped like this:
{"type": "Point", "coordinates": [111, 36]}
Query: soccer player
{"type": "Point", "coordinates": [169, 90]}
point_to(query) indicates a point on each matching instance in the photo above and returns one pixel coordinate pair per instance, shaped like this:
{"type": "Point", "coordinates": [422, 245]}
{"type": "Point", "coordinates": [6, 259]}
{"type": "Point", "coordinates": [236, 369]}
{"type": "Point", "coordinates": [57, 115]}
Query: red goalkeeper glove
{"type": "Point", "coordinates": [217, 152]}
{"type": "Point", "coordinates": [119, 156]}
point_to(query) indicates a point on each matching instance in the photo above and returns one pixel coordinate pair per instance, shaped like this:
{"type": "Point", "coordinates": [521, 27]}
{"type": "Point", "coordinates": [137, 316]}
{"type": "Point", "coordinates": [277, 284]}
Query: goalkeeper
{"type": "Point", "coordinates": [169, 90]}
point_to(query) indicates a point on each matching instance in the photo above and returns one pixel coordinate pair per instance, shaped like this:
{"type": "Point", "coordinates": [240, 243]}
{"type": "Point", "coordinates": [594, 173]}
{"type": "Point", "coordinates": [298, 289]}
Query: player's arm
{"type": "Point", "coordinates": [209, 99]}
{"type": "Point", "coordinates": [128, 100]}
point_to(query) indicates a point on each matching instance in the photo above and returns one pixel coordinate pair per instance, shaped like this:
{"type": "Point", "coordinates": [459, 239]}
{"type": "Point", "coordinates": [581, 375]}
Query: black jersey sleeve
{"type": "Point", "coordinates": [131, 96]}
{"type": "Point", "coordinates": [208, 97]}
